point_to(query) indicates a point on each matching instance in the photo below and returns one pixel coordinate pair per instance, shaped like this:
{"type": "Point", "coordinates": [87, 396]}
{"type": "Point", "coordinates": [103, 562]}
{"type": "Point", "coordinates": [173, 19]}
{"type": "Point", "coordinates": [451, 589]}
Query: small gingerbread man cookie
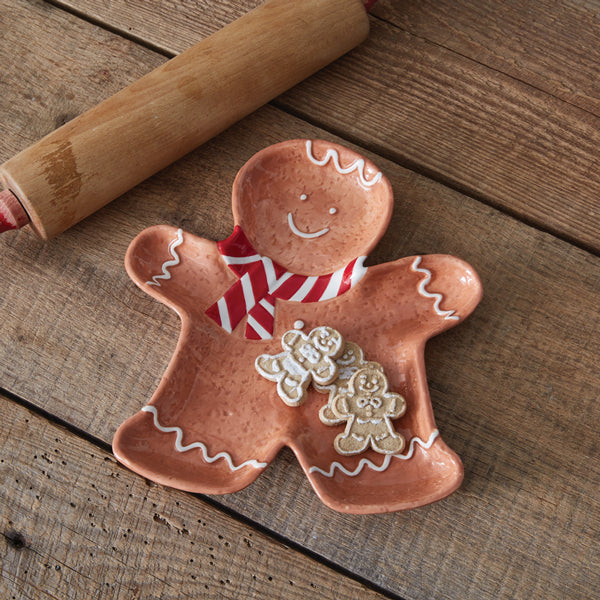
{"type": "Point", "coordinates": [350, 361]}
{"type": "Point", "coordinates": [305, 359]}
{"type": "Point", "coordinates": [367, 408]}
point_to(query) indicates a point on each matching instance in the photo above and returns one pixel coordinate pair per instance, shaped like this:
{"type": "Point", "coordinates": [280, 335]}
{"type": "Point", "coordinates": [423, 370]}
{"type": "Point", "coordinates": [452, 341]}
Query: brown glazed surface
{"type": "Point", "coordinates": [211, 392]}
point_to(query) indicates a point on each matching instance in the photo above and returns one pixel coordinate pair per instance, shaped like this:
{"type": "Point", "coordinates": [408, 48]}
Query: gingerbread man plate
{"type": "Point", "coordinates": [289, 340]}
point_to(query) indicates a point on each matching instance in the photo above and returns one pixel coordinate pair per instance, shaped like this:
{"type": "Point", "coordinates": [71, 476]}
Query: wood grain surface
{"type": "Point", "coordinates": [548, 45]}
{"type": "Point", "coordinates": [514, 388]}
{"type": "Point", "coordinates": [434, 106]}
{"type": "Point", "coordinates": [86, 540]}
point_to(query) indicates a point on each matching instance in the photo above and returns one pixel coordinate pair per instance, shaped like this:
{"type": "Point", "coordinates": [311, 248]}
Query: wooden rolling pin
{"type": "Point", "coordinates": [106, 151]}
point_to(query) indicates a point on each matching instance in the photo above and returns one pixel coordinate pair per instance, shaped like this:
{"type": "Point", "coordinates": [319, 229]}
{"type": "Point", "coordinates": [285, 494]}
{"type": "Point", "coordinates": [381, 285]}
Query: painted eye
{"type": "Point", "coordinates": [332, 210]}
{"type": "Point", "coordinates": [303, 196]}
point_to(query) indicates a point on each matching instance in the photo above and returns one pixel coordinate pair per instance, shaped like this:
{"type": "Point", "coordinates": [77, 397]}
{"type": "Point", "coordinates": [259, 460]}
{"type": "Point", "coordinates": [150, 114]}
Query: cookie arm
{"type": "Point", "coordinates": [339, 406]}
{"type": "Point", "coordinates": [397, 405]}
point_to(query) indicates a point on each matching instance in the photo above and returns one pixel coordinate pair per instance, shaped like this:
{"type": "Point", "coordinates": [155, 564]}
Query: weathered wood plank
{"type": "Point", "coordinates": [479, 128]}
{"type": "Point", "coordinates": [550, 45]}
{"type": "Point", "coordinates": [75, 524]}
{"type": "Point", "coordinates": [515, 388]}
{"type": "Point", "coordinates": [154, 21]}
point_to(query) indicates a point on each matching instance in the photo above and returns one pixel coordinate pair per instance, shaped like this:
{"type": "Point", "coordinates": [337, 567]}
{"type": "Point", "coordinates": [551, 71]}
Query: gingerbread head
{"type": "Point", "coordinates": [311, 206]}
{"type": "Point", "coordinates": [281, 322]}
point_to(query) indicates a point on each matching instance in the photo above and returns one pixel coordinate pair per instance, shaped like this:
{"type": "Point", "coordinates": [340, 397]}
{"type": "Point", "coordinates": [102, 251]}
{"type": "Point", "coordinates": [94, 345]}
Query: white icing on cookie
{"type": "Point", "coordinates": [169, 263]}
{"type": "Point", "coordinates": [365, 462]}
{"type": "Point", "coordinates": [299, 324]}
{"type": "Point", "coordinates": [305, 358]}
{"type": "Point", "coordinates": [302, 234]}
{"type": "Point", "coordinates": [357, 165]}
{"type": "Point", "coordinates": [210, 459]}
{"type": "Point", "coordinates": [447, 314]}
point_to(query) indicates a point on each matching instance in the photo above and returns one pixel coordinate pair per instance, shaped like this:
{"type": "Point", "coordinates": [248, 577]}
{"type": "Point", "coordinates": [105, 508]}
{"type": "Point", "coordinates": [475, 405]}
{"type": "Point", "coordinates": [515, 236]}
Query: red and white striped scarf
{"type": "Point", "coordinates": [261, 281]}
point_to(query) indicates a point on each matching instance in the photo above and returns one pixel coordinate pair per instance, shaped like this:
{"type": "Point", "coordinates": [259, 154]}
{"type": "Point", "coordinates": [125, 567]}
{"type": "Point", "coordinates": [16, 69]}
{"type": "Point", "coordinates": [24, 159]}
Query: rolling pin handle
{"type": "Point", "coordinates": [12, 214]}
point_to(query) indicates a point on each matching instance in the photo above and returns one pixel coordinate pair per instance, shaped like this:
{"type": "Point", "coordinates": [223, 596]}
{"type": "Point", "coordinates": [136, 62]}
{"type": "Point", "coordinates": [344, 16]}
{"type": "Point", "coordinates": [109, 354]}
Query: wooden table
{"type": "Point", "coordinates": [486, 118]}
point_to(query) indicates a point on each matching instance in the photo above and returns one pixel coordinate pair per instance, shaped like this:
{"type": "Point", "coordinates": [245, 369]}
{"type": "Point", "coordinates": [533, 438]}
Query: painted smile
{"type": "Point", "coordinates": [303, 234]}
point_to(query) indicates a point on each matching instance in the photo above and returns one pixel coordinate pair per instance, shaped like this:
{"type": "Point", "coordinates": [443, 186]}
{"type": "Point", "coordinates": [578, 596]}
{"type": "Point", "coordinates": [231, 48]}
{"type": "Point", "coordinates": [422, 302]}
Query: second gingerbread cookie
{"type": "Point", "coordinates": [368, 407]}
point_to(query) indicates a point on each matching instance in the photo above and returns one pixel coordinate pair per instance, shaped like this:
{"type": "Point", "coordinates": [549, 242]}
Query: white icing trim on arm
{"type": "Point", "coordinates": [210, 459]}
{"type": "Point", "coordinates": [357, 165]}
{"type": "Point", "coordinates": [365, 462]}
{"type": "Point", "coordinates": [447, 314]}
{"type": "Point", "coordinates": [169, 263]}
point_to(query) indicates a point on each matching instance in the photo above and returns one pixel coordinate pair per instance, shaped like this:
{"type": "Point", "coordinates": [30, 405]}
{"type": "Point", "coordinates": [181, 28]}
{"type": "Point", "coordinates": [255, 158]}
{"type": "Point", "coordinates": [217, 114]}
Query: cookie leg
{"type": "Point", "coordinates": [388, 443]}
{"type": "Point", "coordinates": [350, 443]}
{"type": "Point", "coordinates": [292, 389]}
{"type": "Point", "coordinates": [200, 432]}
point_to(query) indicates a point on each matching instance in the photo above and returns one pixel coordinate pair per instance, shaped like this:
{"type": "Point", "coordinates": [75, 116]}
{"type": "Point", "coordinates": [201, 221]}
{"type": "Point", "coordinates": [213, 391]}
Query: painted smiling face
{"type": "Point", "coordinates": [369, 398]}
{"type": "Point", "coordinates": [312, 206]}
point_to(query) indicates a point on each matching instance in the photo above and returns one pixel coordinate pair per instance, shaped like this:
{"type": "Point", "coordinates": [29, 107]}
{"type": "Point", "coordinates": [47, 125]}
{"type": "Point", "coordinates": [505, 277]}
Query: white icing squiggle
{"type": "Point", "coordinates": [210, 459]}
{"type": "Point", "coordinates": [447, 314]}
{"type": "Point", "coordinates": [365, 462]}
{"type": "Point", "coordinates": [357, 165]}
{"type": "Point", "coordinates": [169, 263]}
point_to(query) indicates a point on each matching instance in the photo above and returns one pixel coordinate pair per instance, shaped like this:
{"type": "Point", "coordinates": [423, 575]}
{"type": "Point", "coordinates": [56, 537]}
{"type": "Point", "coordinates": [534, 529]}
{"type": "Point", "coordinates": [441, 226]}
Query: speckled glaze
{"type": "Point", "coordinates": [214, 424]}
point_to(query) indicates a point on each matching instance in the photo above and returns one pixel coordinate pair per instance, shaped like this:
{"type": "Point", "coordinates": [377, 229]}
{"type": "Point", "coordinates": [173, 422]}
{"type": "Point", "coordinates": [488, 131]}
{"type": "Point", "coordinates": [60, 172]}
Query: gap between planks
{"type": "Point", "coordinates": [18, 541]}
{"type": "Point", "coordinates": [430, 171]}
{"type": "Point", "coordinates": [103, 24]}
{"type": "Point", "coordinates": [436, 176]}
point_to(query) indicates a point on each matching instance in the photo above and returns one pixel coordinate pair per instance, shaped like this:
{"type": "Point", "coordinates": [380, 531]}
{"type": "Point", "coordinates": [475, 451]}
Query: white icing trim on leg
{"type": "Point", "coordinates": [365, 462]}
{"type": "Point", "coordinates": [417, 440]}
{"type": "Point", "coordinates": [169, 263]}
{"type": "Point", "coordinates": [209, 459]}
{"type": "Point", "coordinates": [447, 314]}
